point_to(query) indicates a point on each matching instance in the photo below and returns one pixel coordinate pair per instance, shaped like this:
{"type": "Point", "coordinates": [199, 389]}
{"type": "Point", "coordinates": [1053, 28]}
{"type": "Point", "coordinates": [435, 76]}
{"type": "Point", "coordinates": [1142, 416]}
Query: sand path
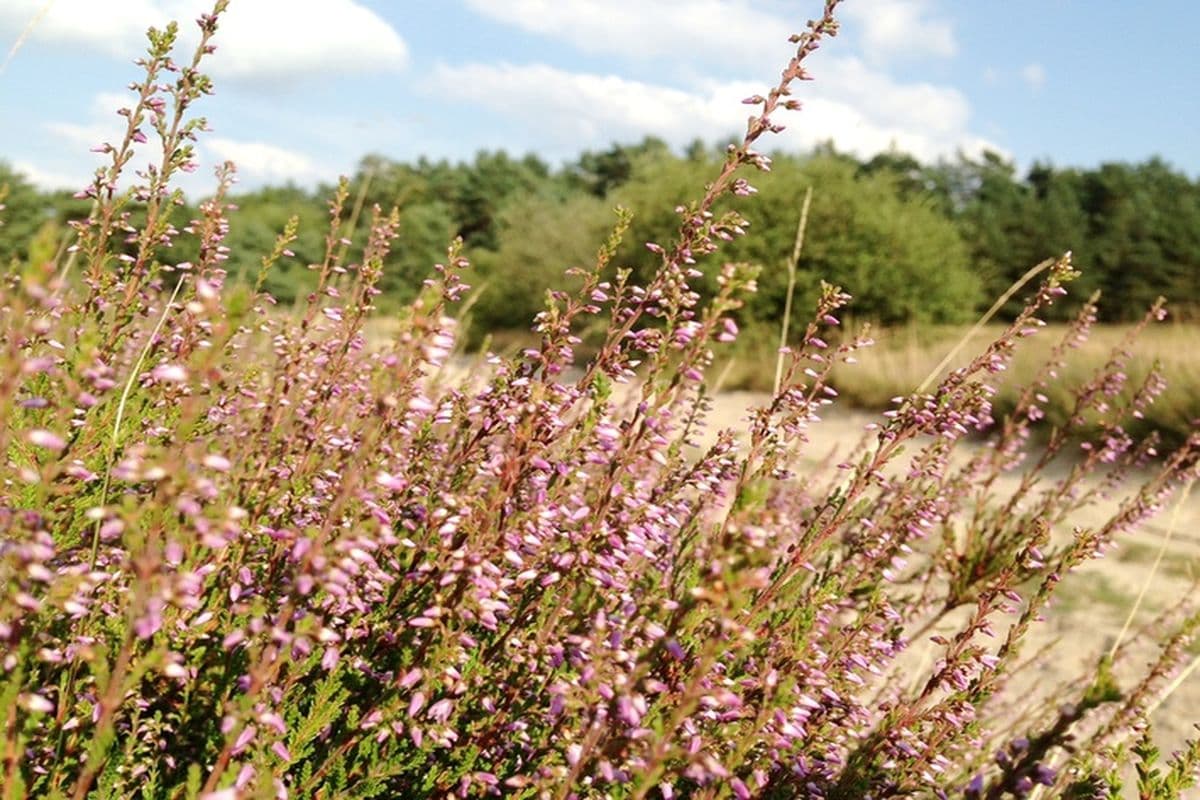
{"type": "Point", "coordinates": [1094, 602]}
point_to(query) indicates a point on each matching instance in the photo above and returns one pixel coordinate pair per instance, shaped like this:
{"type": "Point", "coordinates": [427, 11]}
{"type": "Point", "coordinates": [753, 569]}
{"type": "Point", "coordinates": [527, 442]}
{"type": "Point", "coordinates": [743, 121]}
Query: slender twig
{"type": "Point", "coordinates": [1162, 549]}
{"type": "Point", "coordinates": [978, 326]}
{"type": "Point", "coordinates": [25, 34]}
{"type": "Point", "coordinates": [355, 212]}
{"type": "Point", "coordinates": [116, 431]}
{"type": "Point", "coordinates": [791, 289]}
{"type": "Point", "coordinates": [1171, 687]}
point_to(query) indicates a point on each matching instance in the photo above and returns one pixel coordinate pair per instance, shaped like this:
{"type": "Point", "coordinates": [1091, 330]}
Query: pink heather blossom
{"type": "Point", "coordinates": [150, 622]}
{"type": "Point", "coordinates": [35, 366]}
{"type": "Point", "coordinates": [37, 703]}
{"type": "Point", "coordinates": [45, 439]}
{"type": "Point", "coordinates": [217, 462]}
{"type": "Point", "coordinates": [273, 721]}
{"type": "Point", "coordinates": [410, 678]}
{"type": "Point", "coordinates": [512, 582]}
{"type": "Point", "coordinates": [330, 658]}
{"type": "Point", "coordinates": [170, 373]}
{"type": "Point", "coordinates": [416, 703]}
{"type": "Point", "coordinates": [244, 776]}
{"type": "Point", "coordinates": [421, 405]}
{"type": "Point", "coordinates": [177, 671]}
{"type": "Point", "coordinates": [389, 481]}
{"type": "Point", "coordinates": [244, 739]}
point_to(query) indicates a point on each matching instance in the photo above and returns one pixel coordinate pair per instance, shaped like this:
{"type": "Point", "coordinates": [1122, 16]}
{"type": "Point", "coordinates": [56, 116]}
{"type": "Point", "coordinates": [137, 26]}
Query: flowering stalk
{"type": "Point", "coordinates": [249, 553]}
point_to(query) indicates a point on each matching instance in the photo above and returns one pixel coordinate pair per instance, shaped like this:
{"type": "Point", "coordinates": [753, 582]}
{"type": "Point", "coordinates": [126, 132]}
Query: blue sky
{"type": "Point", "coordinates": [307, 87]}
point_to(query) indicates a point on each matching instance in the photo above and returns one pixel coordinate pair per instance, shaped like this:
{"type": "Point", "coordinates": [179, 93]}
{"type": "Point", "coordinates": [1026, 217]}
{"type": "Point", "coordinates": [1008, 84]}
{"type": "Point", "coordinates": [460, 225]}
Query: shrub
{"type": "Point", "coordinates": [245, 555]}
{"type": "Point", "coordinates": [23, 214]}
{"type": "Point", "coordinates": [530, 260]}
{"type": "Point", "coordinates": [907, 259]}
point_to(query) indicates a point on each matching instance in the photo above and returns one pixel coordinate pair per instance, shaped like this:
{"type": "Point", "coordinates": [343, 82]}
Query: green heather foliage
{"type": "Point", "coordinates": [246, 554]}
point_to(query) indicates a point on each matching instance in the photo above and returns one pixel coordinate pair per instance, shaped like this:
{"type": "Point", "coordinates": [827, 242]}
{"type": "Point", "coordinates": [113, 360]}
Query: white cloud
{"type": "Point", "coordinates": [102, 124]}
{"type": "Point", "coordinates": [730, 31]}
{"type": "Point", "coordinates": [265, 162]}
{"type": "Point", "coordinates": [899, 28]}
{"type": "Point", "coordinates": [83, 136]}
{"type": "Point", "coordinates": [940, 110]}
{"type": "Point", "coordinates": [858, 105]}
{"type": "Point", "coordinates": [258, 40]}
{"type": "Point", "coordinates": [279, 39]}
{"type": "Point", "coordinates": [258, 162]}
{"type": "Point", "coordinates": [862, 110]}
{"type": "Point", "coordinates": [577, 106]}
{"type": "Point", "coordinates": [1034, 75]}
{"type": "Point", "coordinates": [113, 26]}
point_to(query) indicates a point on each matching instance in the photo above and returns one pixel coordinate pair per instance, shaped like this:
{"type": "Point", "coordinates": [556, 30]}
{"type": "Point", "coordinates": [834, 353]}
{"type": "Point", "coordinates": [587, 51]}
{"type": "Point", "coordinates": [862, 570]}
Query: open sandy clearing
{"type": "Point", "coordinates": [1093, 603]}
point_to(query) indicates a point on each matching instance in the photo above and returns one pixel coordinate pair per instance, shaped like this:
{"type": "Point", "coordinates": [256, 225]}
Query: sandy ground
{"type": "Point", "coordinates": [1094, 602]}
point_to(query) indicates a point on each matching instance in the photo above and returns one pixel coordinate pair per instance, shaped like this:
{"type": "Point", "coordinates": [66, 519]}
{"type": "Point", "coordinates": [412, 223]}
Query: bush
{"type": "Point", "coordinates": [907, 259]}
{"type": "Point", "coordinates": [538, 236]}
{"type": "Point", "coordinates": [245, 555]}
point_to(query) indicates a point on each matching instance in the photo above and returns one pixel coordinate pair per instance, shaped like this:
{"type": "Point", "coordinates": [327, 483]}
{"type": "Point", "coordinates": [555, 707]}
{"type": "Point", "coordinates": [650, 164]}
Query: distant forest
{"type": "Point", "coordinates": [912, 242]}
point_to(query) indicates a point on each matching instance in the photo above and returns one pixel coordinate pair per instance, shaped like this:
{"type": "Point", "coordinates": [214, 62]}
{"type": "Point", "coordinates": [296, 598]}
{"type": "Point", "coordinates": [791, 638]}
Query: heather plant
{"type": "Point", "coordinates": [246, 554]}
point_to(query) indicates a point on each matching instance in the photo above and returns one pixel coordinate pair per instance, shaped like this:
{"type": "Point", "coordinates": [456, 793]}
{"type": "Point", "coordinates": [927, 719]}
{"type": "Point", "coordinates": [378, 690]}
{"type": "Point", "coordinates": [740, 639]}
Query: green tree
{"type": "Point", "coordinates": [871, 233]}
{"type": "Point", "coordinates": [541, 236]}
{"type": "Point", "coordinates": [599, 173]}
{"type": "Point", "coordinates": [1144, 238]}
{"type": "Point", "coordinates": [483, 189]}
{"type": "Point", "coordinates": [254, 227]}
{"type": "Point", "coordinates": [25, 211]}
{"type": "Point", "coordinates": [426, 229]}
{"type": "Point", "coordinates": [900, 257]}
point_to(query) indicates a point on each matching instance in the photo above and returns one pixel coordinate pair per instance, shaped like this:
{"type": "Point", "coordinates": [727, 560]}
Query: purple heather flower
{"type": "Point", "coordinates": [45, 439]}
{"type": "Point", "coordinates": [244, 739]}
{"type": "Point", "coordinates": [170, 373]}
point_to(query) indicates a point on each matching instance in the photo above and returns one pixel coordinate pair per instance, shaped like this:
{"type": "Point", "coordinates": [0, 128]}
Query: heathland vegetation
{"type": "Point", "coordinates": [923, 244]}
{"type": "Point", "coordinates": [245, 552]}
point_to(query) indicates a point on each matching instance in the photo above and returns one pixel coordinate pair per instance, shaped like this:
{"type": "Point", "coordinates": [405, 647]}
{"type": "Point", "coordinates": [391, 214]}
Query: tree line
{"type": "Point", "coordinates": [913, 242]}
